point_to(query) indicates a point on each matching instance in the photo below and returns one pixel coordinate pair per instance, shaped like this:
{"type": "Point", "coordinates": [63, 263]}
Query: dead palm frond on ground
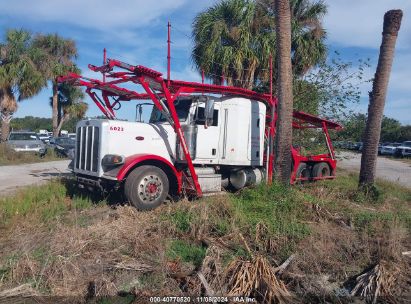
{"type": "Point", "coordinates": [377, 281]}
{"type": "Point", "coordinates": [256, 279]}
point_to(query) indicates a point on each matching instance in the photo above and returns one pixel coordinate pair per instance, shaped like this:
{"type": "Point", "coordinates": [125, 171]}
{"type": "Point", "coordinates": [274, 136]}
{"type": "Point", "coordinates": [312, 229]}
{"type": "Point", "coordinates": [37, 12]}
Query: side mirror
{"type": "Point", "coordinates": [209, 112]}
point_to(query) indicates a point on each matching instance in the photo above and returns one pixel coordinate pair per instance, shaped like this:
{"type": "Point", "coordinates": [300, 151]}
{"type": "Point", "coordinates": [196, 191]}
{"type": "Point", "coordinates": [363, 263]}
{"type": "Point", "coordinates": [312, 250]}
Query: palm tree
{"type": "Point", "coordinates": [61, 54]}
{"type": "Point", "coordinates": [71, 104]}
{"type": "Point", "coordinates": [285, 91]}
{"type": "Point", "coordinates": [392, 24]}
{"type": "Point", "coordinates": [307, 34]}
{"type": "Point", "coordinates": [235, 38]}
{"type": "Point", "coordinates": [22, 68]}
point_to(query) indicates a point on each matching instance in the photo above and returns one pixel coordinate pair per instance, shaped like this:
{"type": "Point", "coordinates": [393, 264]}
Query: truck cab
{"type": "Point", "coordinates": [228, 140]}
{"type": "Point", "coordinates": [199, 138]}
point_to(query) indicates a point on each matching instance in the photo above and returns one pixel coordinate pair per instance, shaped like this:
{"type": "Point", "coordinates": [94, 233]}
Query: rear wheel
{"type": "Point", "coordinates": [303, 171]}
{"type": "Point", "coordinates": [146, 187]}
{"type": "Point", "coordinates": [321, 169]}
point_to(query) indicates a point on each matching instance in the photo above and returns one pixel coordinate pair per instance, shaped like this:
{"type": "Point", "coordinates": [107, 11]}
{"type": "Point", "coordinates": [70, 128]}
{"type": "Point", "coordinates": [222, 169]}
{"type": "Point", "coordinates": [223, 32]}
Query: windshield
{"type": "Point", "coordinates": [407, 143]}
{"type": "Point", "coordinates": [182, 108]}
{"type": "Point", "coordinates": [23, 136]}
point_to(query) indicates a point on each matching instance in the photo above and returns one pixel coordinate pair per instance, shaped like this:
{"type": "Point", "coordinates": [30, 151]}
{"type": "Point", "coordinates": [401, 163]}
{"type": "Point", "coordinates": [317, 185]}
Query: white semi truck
{"type": "Point", "coordinates": [200, 138]}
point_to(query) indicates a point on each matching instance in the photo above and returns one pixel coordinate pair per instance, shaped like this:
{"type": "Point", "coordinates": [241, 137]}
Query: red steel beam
{"type": "Point", "coordinates": [155, 86]}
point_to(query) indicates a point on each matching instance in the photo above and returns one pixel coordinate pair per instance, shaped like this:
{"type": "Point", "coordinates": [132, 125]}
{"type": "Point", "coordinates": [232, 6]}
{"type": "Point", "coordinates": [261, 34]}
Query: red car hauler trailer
{"type": "Point", "coordinates": [200, 137]}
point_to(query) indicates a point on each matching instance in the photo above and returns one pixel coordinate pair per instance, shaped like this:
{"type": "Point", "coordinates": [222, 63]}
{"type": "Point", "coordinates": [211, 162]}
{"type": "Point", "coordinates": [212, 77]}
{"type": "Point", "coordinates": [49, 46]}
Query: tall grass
{"type": "Point", "coordinates": [43, 203]}
{"type": "Point", "coordinates": [278, 208]}
{"type": "Point", "coordinates": [331, 232]}
{"type": "Point", "coordinates": [10, 157]}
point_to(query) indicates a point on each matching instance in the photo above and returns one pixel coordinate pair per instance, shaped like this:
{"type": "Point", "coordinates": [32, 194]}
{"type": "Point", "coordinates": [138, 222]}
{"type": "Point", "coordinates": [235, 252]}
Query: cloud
{"type": "Point", "coordinates": [399, 109]}
{"type": "Point", "coordinates": [98, 14]}
{"type": "Point", "coordinates": [358, 23]}
{"type": "Point", "coordinates": [401, 73]}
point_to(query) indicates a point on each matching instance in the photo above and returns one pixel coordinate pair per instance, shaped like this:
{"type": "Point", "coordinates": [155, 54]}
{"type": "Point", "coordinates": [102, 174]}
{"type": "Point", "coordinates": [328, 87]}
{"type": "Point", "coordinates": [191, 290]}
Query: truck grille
{"type": "Point", "coordinates": [88, 139]}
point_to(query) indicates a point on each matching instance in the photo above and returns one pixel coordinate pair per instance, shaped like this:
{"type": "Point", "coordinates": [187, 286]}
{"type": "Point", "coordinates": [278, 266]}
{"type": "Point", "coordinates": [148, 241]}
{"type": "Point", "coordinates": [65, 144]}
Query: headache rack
{"type": "Point", "coordinates": [107, 94]}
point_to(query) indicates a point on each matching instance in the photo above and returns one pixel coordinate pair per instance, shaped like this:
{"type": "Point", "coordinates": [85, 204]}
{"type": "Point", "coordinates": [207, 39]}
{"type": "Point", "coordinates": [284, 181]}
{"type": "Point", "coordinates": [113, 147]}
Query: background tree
{"type": "Point", "coordinates": [22, 68]}
{"type": "Point", "coordinates": [331, 89]}
{"type": "Point", "coordinates": [353, 128]}
{"type": "Point", "coordinates": [70, 100]}
{"type": "Point", "coordinates": [392, 23]}
{"type": "Point", "coordinates": [391, 129]}
{"type": "Point", "coordinates": [235, 38]}
{"type": "Point", "coordinates": [40, 123]}
{"type": "Point", "coordinates": [285, 91]}
{"type": "Point", "coordinates": [61, 55]}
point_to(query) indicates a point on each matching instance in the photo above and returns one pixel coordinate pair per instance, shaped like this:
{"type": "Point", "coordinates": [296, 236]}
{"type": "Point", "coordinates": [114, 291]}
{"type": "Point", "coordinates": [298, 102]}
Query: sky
{"type": "Point", "coordinates": [135, 31]}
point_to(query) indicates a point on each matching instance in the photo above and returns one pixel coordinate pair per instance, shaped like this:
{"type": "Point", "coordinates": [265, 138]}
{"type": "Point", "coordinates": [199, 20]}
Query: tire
{"type": "Point", "coordinates": [399, 153]}
{"type": "Point", "coordinates": [321, 169]}
{"type": "Point", "coordinates": [146, 187]}
{"type": "Point", "coordinates": [302, 171]}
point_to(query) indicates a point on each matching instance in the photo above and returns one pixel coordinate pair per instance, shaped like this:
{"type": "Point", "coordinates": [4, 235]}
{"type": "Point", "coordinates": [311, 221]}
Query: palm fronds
{"type": "Point", "coordinates": [235, 38]}
{"type": "Point", "coordinates": [377, 281]}
{"type": "Point", "coordinates": [256, 278]}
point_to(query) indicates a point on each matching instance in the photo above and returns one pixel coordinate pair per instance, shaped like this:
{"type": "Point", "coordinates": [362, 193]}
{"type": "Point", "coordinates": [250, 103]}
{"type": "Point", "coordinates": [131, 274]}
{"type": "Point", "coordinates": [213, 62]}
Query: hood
{"type": "Point", "coordinates": [67, 146]}
{"type": "Point", "coordinates": [23, 143]}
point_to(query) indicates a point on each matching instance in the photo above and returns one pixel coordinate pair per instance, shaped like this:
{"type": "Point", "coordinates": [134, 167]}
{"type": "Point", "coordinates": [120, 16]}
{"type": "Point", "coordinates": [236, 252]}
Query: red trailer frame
{"type": "Point", "coordinates": [157, 89]}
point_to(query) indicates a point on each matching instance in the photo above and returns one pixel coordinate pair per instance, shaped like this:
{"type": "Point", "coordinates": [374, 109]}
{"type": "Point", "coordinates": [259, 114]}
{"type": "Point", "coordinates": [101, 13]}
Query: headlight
{"type": "Point", "coordinates": [112, 160]}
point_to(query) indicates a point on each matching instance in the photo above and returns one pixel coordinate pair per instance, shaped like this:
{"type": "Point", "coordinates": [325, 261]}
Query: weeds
{"type": "Point", "coordinates": [44, 203]}
{"type": "Point", "coordinates": [182, 220]}
{"type": "Point", "coordinates": [9, 157]}
{"type": "Point", "coordinates": [186, 252]}
{"type": "Point", "coordinates": [278, 208]}
{"type": "Point", "coordinates": [102, 251]}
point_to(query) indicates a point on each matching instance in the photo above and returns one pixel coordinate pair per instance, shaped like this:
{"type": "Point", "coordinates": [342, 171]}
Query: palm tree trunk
{"type": "Point", "coordinates": [8, 106]}
{"type": "Point", "coordinates": [62, 121]}
{"type": "Point", "coordinates": [5, 125]}
{"type": "Point", "coordinates": [392, 23]}
{"type": "Point", "coordinates": [55, 121]}
{"type": "Point", "coordinates": [285, 92]}
{"type": "Point", "coordinates": [59, 112]}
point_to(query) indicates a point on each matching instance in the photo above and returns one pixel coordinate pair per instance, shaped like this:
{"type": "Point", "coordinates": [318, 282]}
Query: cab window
{"type": "Point", "coordinates": [182, 108]}
{"type": "Point", "coordinates": [200, 119]}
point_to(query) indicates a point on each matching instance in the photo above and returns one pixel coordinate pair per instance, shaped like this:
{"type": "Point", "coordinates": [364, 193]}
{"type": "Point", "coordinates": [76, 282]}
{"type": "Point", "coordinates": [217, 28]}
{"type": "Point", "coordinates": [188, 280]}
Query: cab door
{"type": "Point", "coordinates": [207, 137]}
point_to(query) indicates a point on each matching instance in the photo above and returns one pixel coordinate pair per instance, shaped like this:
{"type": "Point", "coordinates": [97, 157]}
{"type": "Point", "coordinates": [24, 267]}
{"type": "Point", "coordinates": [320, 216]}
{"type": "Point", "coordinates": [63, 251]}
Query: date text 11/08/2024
{"type": "Point", "coordinates": [236, 299]}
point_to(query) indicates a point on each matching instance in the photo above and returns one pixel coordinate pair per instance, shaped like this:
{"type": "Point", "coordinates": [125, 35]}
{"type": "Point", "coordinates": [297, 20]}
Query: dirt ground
{"type": "Point", "coordinates": [388, 169]}
{"type": "Point", "coordinates": [16, 176]}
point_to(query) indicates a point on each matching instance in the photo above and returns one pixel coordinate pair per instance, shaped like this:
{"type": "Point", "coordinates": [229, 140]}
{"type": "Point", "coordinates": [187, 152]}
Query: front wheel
{"type": "Point", "coordinates": [146, 187]}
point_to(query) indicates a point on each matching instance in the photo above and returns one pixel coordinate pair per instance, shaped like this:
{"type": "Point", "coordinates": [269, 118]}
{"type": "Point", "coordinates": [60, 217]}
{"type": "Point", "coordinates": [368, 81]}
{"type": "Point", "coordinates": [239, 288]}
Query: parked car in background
{"type": "Point", "coordinates": [64, 133]}
{"type": "Point", "coordinates": [348, 145]}
{"type": "Point", "coordinates": [404, 149]}
{"type": "Point", "coordinates": [389, 149]}
{"type": "Point", "coordinates": [72, 135]}
{"type": "Point", "coordinates": [26, 142]}
{"type": "Point", "coordinates": [357, 146]}
{"type": "Point", "coordinates": [379, 148]}
{"type": "Point", "coordinates": [63, 146]}
{"type": "Point", "coordinates": [44, 137]}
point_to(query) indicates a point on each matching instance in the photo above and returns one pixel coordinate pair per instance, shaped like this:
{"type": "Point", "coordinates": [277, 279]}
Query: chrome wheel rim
{"type": "Point", "coordinates": [150, 188]}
